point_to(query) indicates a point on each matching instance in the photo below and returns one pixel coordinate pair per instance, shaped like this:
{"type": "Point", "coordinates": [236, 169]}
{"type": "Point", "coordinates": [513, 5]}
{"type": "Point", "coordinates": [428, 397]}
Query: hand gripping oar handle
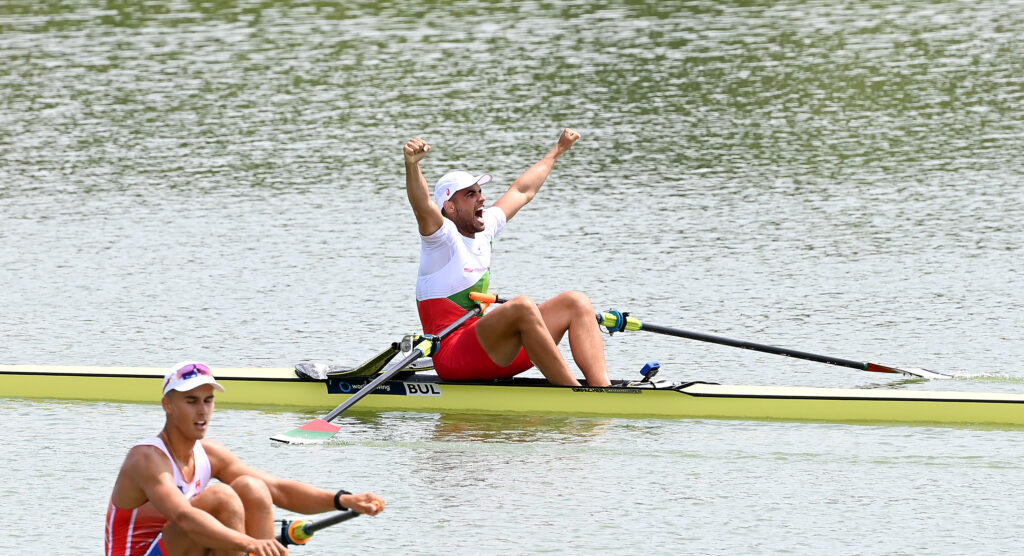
{"type": "Point", "coordinates": [615, 321]}
{"type": "Point", "coordinates": [299, 531]}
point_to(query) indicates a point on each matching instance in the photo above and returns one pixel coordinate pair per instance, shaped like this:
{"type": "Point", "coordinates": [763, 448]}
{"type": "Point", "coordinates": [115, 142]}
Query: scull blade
{"type": "Point", "coordinates": [923, 373]}
{"type": "Point", "coordinates": [313, 432]}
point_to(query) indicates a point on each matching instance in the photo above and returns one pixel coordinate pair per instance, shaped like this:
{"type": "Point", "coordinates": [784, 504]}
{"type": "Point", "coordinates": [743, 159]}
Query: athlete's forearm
{"type": "Point", "coordinates": [524, 189]}
{"type": "Point", "coordinates": [534, 177]}
{"type": "Point", "coordinates": [301, 498]}
{"type": "Point", "coordinates": [416, 187]}
{"type": "Point", "coordinates": [428, 215]}
{"type": "Point", "coordinates": [211, 533]}
{"type": "Point", "coordinates": [307, 499]}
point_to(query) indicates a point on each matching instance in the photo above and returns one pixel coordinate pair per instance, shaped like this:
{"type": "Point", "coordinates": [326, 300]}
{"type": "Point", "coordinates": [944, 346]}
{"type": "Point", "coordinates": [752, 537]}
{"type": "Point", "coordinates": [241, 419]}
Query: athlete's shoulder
{"type": "Point", "coordinates": [219, 455]}
{"type": "Point", "coordinates": [214, 448]}
{"type": "Point", "coordinates": [145, 453]}
{"type": "Point", "coordinates": [143, 462]}
{"type": "Point", "coordinates": [494, 219]}
{"type": "Point", "coordinates": [447, 227]}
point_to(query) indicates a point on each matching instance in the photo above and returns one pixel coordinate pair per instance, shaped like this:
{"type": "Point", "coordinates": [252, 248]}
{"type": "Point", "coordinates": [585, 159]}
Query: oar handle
{"type": "Point", "coordinates": [481, 297]}
{"type": "Point", "coordinates": [328, 521]}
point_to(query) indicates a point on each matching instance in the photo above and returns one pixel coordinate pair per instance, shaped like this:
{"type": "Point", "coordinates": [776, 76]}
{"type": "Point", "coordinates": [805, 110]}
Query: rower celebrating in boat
{"type": "Point", "coordinates": [163, 502]}
{"type": "Point", "coordinates": [456, 232]}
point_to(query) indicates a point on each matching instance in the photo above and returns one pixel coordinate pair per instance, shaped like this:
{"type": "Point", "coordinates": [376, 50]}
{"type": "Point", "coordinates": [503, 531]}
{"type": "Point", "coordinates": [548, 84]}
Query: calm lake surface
{"type": "Point", "coordinates": [224, 181]}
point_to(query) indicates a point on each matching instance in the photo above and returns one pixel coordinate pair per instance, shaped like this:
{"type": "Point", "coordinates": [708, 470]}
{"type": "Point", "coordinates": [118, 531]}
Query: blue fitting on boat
{"type": "Point", "coordinates": [649, 370]}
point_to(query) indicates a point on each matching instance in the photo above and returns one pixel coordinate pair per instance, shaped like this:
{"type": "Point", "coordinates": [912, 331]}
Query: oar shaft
{"type": "Point", "coordinates": [616, 321]}
{"type": "Point", "coordinates": [458, 322]}
{"type": "Point", "coordinates": [421, 349]}
{"type": "Point", "coordinates": [328, 521]}
{"type": "Point", "coordinates": [759, 347]}
{"type": "Point", "coordinates": [299, 532]}
{"type": "Point", "coordinates": [417, 352]}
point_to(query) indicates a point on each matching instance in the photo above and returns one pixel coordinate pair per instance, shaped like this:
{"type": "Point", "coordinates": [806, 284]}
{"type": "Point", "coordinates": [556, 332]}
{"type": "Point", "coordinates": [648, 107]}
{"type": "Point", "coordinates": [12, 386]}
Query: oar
{"type": "Point", "coordinates": [320, 430]}
{"type": "Point", "coordinates": [299, 531]}
{"type": "Point", "coordinates": [615, 321]}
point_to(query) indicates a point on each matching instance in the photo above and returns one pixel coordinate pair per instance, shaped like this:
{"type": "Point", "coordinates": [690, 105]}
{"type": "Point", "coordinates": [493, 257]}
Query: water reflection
{"type": "Point", "coordinates": [460, 428]}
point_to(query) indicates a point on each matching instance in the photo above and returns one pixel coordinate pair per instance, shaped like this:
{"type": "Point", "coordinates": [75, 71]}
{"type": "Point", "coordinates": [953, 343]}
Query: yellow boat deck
{"type": "Point", "coordinates": [282, 388]}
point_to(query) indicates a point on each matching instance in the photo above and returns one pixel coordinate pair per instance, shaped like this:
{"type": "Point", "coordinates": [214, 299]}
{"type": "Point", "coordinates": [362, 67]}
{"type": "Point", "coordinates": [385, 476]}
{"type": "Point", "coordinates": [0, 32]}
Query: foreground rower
{"type": "Point", "coordinates": [456, 233]}
{"type": "Point", "coordinates": [163, 502]}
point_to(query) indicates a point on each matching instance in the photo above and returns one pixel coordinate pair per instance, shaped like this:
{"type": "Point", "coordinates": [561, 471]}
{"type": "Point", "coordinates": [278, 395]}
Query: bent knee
{"type": "Point", "coordinates": [220, 493]}
{"type": "Point", "coordinates": [576, 300]}
{"type": "Point", "coordinates": [251, 490]}
{"type": "Point", "coordinates": [222, 502]}
{"type": "Point", "coordinates": [524, 307]}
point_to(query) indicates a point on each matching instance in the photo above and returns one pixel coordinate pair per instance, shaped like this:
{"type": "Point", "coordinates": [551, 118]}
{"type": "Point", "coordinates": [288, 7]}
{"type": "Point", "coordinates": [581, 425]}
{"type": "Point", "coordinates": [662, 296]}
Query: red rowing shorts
{"type": "Point", "coordinates": [461, 357]}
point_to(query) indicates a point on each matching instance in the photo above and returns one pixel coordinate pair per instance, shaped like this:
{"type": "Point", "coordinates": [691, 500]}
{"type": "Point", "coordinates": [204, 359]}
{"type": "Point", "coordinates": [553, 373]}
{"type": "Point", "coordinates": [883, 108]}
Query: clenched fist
{"type": "Point", "coordinates": [416, 149]}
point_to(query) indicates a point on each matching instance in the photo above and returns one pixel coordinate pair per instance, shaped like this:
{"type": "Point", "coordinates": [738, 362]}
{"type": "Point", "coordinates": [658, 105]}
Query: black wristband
{"type": "Point", "coordinates": [337, 500]}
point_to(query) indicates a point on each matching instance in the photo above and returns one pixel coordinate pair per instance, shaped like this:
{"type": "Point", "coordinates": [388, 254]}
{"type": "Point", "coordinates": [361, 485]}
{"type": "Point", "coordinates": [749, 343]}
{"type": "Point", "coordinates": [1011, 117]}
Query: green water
{"type": "Point", "coordinates": [224, 181]}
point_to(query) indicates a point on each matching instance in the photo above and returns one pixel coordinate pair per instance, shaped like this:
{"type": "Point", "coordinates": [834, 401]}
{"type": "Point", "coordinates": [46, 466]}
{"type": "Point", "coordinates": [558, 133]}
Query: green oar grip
{"type": "Point", "coordinates": [615, 321]}
{"type": "Point", "coordinates": [426, 345]}
{"type": "Point", "coordinates": [295, 532]}
{"type": "Point", "coordinates": [300, 531]}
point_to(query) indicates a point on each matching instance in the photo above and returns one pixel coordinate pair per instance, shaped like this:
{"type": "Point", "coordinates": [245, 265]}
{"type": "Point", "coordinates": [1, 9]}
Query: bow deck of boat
{"type": "Point", "coordinates": [282, 388]}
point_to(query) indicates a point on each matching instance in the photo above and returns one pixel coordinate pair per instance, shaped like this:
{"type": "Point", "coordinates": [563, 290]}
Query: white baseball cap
{"type": "Point", "coordinates": [453, 182]}
{"type": "Point", "coordinates": [188, 375]}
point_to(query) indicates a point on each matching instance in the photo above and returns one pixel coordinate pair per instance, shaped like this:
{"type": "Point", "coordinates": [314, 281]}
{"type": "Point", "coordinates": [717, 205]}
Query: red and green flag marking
{"type": "Point", "coordinates": [313, 432]}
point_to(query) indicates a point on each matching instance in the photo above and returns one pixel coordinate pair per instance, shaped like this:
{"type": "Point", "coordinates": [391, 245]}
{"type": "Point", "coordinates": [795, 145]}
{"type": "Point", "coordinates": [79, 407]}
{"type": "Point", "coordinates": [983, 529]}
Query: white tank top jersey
{"type": "Point", "coordinates": [451, 263]}
{"type": "Point", "coordinates": [131, 531]}
{"type": "Point", "coordinates": [201, 474]}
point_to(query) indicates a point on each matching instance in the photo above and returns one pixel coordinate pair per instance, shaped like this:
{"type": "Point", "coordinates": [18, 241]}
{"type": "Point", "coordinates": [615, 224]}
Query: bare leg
{"type": "Point", "coordinates": [516, 324]}
{"type": "Point", "coordinates": [221, 502]}
{"type": "Point", "coordinates": [258, 504]}
{"type": "Point", "coordinates": [520, 323]}
{"type": "Point", "coordinates": [573, 312]}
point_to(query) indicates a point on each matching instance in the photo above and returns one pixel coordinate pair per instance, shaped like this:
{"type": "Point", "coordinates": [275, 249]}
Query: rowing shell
{"type": "Point", "coordinates": [284, 388]}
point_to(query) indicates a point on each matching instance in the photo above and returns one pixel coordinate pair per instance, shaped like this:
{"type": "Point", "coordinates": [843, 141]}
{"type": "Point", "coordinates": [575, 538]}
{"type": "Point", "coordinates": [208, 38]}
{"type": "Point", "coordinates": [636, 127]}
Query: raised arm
{"type": "Point", "coordinates": [525, 188]}
{"type": "Point", "coordinates": [428, 214]}
{"type": "Point", "coordinates": [290, 495]}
